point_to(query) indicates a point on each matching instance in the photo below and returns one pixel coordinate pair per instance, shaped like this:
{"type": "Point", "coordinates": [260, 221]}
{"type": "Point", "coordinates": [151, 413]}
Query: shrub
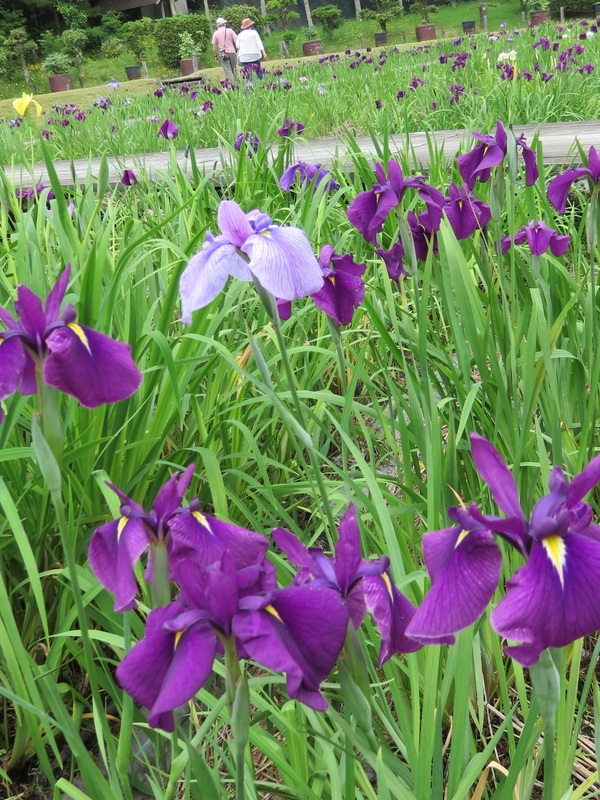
{"type": "Point", "coordinates": [330, 17]}
{"type": "Point", "coordinates": [112, 47]}
{"type": "Point", "coordinates": [169, 29]}
{"type": "Point", "coordinates": [280, 11]}
{"type": "Point", "coordinates": [138, 37]}
{"type": "Point", "coordinates": [57, 63]}
{"type": "Point", "coordinates": [235, 14]}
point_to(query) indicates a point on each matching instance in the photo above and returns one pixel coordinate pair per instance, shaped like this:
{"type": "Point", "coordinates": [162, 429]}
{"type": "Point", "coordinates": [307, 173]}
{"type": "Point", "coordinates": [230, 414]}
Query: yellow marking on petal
{"type": "Point", "coordinates": [461, 536]}
{"type": "Point", "coordinates": [556, 551]}
{"type": "Point", "coordinates": [202, 520]}
{"type": "Point", "coordinates": [122, 522]}
{"type": "Point", "coordinates": [332, 279]}
{"type": "Point", "coordinates": [178, 636]}
{"type": "Point", "coordinates": [78, 330]}
{"type": "Point", "coordinates": [272, 610]}
{"type": "Point", "coordinates": [388, 585]}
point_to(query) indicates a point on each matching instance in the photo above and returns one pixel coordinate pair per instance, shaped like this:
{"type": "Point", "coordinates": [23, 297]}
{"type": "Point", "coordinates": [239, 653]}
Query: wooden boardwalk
{"type": "Point", "coordinates": [559, 141]}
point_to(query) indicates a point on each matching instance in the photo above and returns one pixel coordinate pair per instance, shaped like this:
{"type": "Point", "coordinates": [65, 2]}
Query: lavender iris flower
{"type": "Point", "coordinates": [280, 258]}
{"type": "Point", "coordinates": [540, 238]}
{"type": "Point", "coordinates": [71, 357]}
{"type": "Point", "coordinates": [306, 173]}
{"type": "Point", "coordinates": [343, 288]}
{"type": "Point", "coordinates": [369, 210]}
{"type": "Point", "coordinates": [190, 537]}
{"type": "Point", "coordinates": [168, 130]}
{"type": "Point", "coordinates": [559, 187]}
{"type": "Point", "coordinates": [479, 162]}
{"type": "Point", "coordinates": [363, 585]}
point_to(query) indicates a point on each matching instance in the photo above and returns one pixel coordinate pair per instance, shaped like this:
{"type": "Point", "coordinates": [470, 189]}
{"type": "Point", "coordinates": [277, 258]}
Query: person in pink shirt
{"type": "Point", "coordinates": [224, 41]}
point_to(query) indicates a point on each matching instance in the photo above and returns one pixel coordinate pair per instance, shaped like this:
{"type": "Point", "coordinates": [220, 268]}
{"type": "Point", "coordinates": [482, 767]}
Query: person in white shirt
{"type": "Point", "coordinates": [224, 42]}
{"type": "Point", "coordinates": [250, 50]}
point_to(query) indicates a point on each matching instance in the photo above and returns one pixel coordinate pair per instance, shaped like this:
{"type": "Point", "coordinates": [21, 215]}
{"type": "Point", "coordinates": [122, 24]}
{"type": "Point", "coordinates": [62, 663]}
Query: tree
{"type": "Point", "coordinates": [74, 40]}
{"type": "Point", "coordinates": [330, 17]}
{"type": "Point", "coordinates": [20, 47]}
{"type": "Point", "coordinates": [281, 11]}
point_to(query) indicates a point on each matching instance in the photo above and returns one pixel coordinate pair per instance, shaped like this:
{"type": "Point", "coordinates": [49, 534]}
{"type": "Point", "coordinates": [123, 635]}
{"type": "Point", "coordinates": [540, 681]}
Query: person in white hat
{"type": "Point", "coordinates": [250, 50]}
{"type": "Point", "coordinates": [224, 42]}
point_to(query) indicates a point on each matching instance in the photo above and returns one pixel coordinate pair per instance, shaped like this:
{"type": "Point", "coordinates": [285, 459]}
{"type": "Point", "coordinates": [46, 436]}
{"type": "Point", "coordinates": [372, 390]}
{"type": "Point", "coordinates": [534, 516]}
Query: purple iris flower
{"type": "Point", "coordinates": [168, 130]}
{"type": "Point", "coordinates": [559, 187]}
{"type": "Point", "coordinates": [129, 178]}
{"type": "Point", "coordinates": [369, 210]}
{"type": "Point", "coordinates": [424, 229]}
{"type": "Point", "coordinates": [252, 142]}
{"type": "Point", "coordinates": [175, 658]}
{"type": "Point", "coordinates": [190, 537]}
{"type": "Point", "coordinates": [71, 357]}
{"type": "Point", "coordinates": [479, 162]}
{"type": "Point", "coordinates": [290, 127]}
{"type": "Point", "coordinates": [540, 238]}
{"type": "Point", "coordinates": [551, 600]}
{"type": "Point", "coordinates": [363, 585]}
{"type": "Point", "coordinates": [306, 173]}
{"type": "Point", "coordinates": [392, 259]}
{"type": "Point", "coordinates": [250, 246]}
{"type": "Point", "coordinates": [465, 212]}
{"type": "Point", "coordinates": [300, 631]}
{"type": "Point", "coordinates": [343, 287]}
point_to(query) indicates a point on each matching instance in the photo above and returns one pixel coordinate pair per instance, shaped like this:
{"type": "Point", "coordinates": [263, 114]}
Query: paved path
{"type": "Point", "coordinates": [558, 140]}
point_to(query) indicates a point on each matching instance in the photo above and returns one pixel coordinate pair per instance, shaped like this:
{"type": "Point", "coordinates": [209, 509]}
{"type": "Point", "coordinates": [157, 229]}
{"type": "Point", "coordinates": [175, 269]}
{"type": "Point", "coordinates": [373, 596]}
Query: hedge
{"type": "Point", "coordinates": [169, 29]}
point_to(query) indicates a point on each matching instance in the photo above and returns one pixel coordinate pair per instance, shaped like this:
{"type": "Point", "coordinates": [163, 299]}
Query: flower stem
{"type": "Point", "coordinates": [268, 302]}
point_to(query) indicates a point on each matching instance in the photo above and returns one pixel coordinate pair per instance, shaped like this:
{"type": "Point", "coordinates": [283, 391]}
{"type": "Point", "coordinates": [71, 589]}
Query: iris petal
{"type": "Point", "coordinates": [95, 369]}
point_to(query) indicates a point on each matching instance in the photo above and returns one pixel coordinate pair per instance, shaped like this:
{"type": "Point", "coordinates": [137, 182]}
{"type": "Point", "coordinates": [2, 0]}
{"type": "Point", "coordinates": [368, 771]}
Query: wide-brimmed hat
{"type": "Point", "coordinates": [221, 21]}
{"type": "Point", "coordinates": [247, 23]}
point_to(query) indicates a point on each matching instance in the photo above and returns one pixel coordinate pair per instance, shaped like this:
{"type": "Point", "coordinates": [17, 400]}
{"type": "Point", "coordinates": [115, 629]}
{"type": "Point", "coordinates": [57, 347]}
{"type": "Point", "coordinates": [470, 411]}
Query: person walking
{"type": "Point", "coordinates": [250, 50]}
{"type": "Point", "coordinates": [224, 47]}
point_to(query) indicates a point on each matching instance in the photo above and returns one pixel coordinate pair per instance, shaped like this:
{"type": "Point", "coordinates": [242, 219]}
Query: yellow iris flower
{"type": "Point", "coordinates": [22, 104]}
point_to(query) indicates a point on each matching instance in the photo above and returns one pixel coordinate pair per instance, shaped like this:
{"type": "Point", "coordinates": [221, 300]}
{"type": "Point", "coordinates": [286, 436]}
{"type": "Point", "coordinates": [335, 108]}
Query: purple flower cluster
{"type": "Point", "coordinates": [228, 594]}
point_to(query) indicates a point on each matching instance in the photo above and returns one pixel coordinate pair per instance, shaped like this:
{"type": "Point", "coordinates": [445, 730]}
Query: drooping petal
{"type": "Point", "coordinates": [295, 551]}
{"type": "Point", "coordinates": [12, 364]}
{"type": "Point", "coordinates": [559, 187]}
{"type": "Point", "coordinates": [203, 539]}
{"type": "Point", "coordinates": [559, 244]}
{"type": "Point", "coordinates": [113, 553]}
{"type": "Point", "coordinates": [531, 167]}
{"type": "Point", "coordinates": [299, 631]}
{"type": "Point", "coordinates": [166, 668]}
{"type": "Point", "coordinates": [553, 599]}
{"type": "Point", "coordinates": [207, 272]}
{"type": "Point", "coordinates": [89, 365]}
{"type": "Point", "coordinates": [464, 567]}
{"type": "Point", "coordinates": [283, 261]}
{"type": "Point", "coordinates": [392, 612]}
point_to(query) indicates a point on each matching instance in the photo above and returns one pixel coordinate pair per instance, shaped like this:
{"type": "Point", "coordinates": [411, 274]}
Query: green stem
{"type": "Point", "coordinates": [268, 302]}
{"type": "Point", "coordinates": [161, 587]}
{"type": "Point", "coordinates": [549, 758]}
